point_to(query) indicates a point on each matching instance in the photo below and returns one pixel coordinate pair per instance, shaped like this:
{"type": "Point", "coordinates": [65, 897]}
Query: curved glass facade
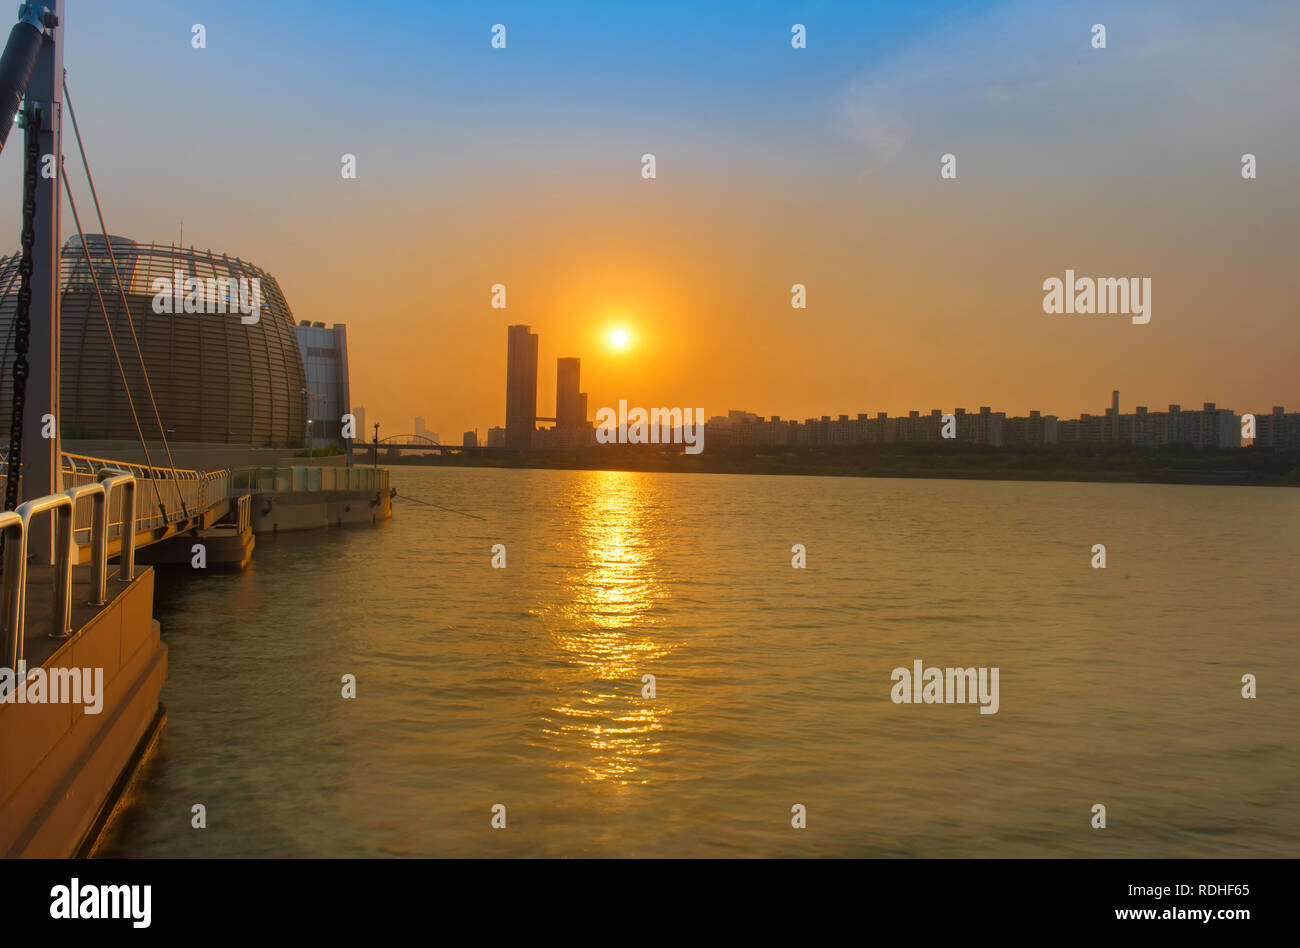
{"type": "Point", "coordinates": [222, 357]}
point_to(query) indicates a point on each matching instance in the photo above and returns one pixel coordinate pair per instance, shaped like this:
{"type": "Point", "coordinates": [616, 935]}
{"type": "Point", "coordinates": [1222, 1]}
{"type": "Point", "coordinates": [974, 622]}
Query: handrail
{"type": "Point", "coordinates": [184, 473]}
{"type": "Point", "coordinates": [98, 537]}
{"type": "Point", "coordinates": [13, 598]}
{"type": "Point", "coordinates": [15, 586]}
{"type": "Point", "coordinates": [60, 505]}
{"type": "Point", "coordinates": [111, 480]}
{"type": "Point", "coordinates": [186, 493]}
{"type": "Point", "coordinates": [243, 513]}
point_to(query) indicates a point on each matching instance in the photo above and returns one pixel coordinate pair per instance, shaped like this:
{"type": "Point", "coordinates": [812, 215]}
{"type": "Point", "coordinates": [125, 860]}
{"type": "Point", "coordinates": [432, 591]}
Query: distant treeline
{"type": "Point", "coordinates": [1075, 461]}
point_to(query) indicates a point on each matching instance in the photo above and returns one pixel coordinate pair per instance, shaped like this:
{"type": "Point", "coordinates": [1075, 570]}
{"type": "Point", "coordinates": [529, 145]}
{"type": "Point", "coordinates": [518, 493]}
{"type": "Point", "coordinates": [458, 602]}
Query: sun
{"type": "Point", "coordinates": [618, 338]}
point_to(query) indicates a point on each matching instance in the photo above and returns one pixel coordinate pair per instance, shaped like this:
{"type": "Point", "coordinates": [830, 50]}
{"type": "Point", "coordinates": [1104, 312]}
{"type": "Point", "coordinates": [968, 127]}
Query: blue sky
{"type": "Point", "coordinates": [478, 165]}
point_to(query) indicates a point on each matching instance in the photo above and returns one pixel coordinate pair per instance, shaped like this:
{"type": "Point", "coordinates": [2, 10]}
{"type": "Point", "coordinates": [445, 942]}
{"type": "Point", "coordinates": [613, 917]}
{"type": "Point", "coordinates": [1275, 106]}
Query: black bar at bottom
{"type": "Point", "coordinates": [657, 899]}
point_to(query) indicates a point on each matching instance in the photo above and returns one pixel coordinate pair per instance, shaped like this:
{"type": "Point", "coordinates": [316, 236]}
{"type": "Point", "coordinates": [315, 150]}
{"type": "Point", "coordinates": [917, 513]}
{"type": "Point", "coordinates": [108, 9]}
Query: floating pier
{"type": "Point", "coordinates": [88, 624]}
{"type": "Point", "coordinates": [304, 498]}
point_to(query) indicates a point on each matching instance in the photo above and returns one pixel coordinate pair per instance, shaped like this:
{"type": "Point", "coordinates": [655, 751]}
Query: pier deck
{"type": "Point", "coordinates": [80, 710]}
{"type": "Point", "coordinates": [64, 760]}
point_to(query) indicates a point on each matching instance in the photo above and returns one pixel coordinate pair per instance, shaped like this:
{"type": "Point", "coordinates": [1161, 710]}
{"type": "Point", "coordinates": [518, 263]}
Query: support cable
{"type": "Point", "coordinates": [117, 278]}
{"type": "Point", "coordinates": [113, 343]}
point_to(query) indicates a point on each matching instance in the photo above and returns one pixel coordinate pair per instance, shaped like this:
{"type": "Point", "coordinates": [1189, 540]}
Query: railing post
{"type": "Point", "coordinates": [113, 479]}
{"type": "Point", "coordinates": [98, 537]}
{"type": "Point", "coordinates": [61, 507]}
{"type": "Point", "coordinates": [15, 587]}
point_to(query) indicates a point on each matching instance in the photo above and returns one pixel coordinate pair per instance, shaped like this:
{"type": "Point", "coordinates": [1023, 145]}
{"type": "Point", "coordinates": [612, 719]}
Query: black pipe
{"type": "Point", "coordinates": [16, 67]}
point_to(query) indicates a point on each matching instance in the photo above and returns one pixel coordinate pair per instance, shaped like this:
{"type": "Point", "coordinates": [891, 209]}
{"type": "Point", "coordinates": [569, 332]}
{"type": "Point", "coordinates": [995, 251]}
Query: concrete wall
{"type": "Point", "coordinates": [60, 763]}
{"type": "Point", "coordinates": [307, 510]}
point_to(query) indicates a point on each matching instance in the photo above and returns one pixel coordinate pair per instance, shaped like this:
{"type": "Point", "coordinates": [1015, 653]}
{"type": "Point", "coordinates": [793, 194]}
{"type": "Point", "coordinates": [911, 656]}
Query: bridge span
{"type": "Point", "coordinates": [407, 442]}
{"type": "Point", "coordinates": [110, 509]}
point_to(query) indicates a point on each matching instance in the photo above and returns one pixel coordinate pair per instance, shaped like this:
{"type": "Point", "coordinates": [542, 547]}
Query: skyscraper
{"type": "Point", "coordinates": [325, 367]}
{"type": "Point", "coordinates": [567, 403]}
{"type": "Point", "coordinates": [422, 431]}
{"type": "Point", "coordinates": [521, 387]}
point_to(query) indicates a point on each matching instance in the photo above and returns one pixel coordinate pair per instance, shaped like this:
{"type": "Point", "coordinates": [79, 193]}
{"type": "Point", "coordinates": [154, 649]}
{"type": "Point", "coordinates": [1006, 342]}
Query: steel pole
{"type": "Point", "coordinates": [41, 473]}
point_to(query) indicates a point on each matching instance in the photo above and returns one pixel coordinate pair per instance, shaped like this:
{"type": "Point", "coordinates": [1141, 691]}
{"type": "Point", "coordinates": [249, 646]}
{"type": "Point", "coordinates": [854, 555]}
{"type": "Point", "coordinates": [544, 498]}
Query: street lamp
{"type": "Point", "coordinates": [311, 410]}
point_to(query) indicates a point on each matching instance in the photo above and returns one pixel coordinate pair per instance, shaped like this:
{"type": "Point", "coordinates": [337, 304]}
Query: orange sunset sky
{"type": "Point", "coordinates": [775, 166]}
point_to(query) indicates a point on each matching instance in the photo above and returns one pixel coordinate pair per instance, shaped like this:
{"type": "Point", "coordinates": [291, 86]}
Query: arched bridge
{"type": "Point", "coordinates": [408, 442]}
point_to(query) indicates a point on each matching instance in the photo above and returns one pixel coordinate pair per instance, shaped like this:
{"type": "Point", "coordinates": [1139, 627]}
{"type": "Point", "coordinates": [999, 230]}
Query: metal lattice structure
{"type": "Point", "coordinates": [216, 377]}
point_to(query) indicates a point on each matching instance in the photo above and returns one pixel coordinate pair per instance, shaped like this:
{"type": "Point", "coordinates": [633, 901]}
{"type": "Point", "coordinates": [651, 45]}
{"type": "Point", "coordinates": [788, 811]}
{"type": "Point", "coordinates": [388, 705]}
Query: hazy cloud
{"type": "Point", "coordinates": [1025, 73]}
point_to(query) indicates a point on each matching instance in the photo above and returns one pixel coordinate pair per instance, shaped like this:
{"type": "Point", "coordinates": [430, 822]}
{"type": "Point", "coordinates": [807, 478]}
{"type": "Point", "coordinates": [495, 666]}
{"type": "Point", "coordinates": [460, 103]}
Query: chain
{"type": "Point", "coordinates": [22, 320]}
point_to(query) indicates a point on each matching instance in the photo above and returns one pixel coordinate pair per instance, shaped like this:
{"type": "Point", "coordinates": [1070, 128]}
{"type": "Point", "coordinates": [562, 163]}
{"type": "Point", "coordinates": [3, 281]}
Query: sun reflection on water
{"type": "Point", "coordinates": [605, 628]}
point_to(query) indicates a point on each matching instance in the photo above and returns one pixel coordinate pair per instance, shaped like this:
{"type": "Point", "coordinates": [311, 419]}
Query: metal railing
{"type": "Point", "coordinates": [98, 537]}
{"type": "Point", "coordinates": [102, 482]}
{"type": "Point", "coordinates": [111, 487]}
{"type": "Point", "coordinates": [16, 525]}
{"type": "Point", "coordinates": [14, 593]}
{"type": "Point", "coordinates": [60, 507]}
{"type": "Point", "coordinates": [113, 479]}
{"type": "Point", "coordinates": [183, 493]}
{"type": "Point", "coordinates": [243, 513]}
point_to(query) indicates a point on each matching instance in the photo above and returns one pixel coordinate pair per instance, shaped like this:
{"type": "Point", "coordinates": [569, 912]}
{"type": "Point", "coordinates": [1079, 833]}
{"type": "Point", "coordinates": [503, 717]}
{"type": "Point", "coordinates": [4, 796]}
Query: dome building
{"type": "Point", "coordinates": [215, 332]}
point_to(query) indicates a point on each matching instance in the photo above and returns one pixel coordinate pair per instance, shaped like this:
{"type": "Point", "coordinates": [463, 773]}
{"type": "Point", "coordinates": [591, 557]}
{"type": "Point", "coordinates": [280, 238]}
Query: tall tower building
{"type": "Point", "coordinates": [1114, 415]}
{"type": "Point", "coordinates": [568, 406]}
{"type": "Point", "coordinates": [521, 387]}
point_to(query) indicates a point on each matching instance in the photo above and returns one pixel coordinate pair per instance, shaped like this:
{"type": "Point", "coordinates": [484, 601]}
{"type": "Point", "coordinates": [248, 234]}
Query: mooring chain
{"type": "Point", "coordinates": [22, 319]}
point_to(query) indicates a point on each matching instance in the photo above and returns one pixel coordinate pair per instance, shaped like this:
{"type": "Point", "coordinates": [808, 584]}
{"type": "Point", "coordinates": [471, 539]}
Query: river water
{"type": "Point", "coordinates": [523, 686]}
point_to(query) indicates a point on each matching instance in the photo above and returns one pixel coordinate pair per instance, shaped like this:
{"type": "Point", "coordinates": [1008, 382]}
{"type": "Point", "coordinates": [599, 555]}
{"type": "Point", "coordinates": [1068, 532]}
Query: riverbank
{"type": "Point", "coordinates": [1173, 464]}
